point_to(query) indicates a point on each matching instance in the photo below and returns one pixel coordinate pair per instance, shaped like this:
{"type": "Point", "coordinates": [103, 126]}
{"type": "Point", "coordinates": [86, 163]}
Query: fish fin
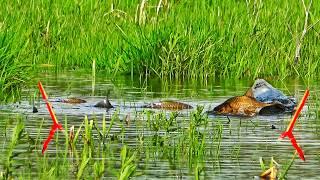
{"type": "Point", "coordinates": [249, 93]}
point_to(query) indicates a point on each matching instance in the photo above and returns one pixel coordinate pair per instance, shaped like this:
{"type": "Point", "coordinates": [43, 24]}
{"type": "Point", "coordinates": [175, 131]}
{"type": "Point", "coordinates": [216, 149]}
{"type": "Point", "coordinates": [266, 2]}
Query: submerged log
{"type": "Point", "coordinates": [168, 104]}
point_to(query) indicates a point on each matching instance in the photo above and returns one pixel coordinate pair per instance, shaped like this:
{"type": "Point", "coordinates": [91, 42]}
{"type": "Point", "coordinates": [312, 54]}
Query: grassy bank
{"type": "Point", "coordinates": [170, 39]}
{"type": "Point", "coordinates": [14, 69]}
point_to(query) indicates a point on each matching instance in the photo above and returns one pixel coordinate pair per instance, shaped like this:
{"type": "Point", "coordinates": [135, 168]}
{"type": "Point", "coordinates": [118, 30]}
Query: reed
{"type": "Point", "coordinates": [162, 38]}
{"type": "Point", "coordinates": [14, 70]}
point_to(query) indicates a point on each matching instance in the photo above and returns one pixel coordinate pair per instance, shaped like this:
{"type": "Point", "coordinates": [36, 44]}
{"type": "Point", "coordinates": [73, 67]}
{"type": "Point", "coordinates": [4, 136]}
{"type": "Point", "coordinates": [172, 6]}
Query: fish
{"type": "Point", "coordinates": [168, 104]}
{"type": "Point", "coordinates": [246, 106]}
{"type": "Point", "coordinates": [260, 99]}
{"type": "Point", "coordinates": [104, 104]}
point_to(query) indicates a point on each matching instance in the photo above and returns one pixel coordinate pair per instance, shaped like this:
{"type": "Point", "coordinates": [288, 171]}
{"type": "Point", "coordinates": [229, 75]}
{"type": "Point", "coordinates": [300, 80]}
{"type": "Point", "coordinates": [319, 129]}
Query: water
{"type": "Point", "coordinates": [243, 140]}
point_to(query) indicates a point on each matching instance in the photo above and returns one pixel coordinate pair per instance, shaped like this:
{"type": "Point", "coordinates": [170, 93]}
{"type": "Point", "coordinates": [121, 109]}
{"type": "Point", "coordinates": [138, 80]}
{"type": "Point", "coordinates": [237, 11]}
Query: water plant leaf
{"type": "Point", "coordinates": [262, 165]}
{"type": "Point", "coordinates": [288, 132]}
{"type": "Point", "coordinates": [82, 167]}
{"type": "Point", "coordinates": [288, 166]}
{"type": "Point", "coordinates": [127, 163]}
{"type": "Point", "coordinates": [271, 173]}
{"type": "Point", "coordinates": [55, 125]}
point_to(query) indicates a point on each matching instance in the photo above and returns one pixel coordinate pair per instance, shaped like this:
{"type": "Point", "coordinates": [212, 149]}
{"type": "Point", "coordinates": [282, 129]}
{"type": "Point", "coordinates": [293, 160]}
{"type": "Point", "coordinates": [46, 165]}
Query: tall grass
{"type": "Point", "coordinates": [14, 69]}
{"type": "Point", "coordinates": [168, 38]}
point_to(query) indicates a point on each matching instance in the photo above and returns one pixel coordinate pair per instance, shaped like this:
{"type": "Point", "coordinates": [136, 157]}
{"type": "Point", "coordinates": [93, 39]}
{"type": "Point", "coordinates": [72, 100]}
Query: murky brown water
{"type": "Point", "coordinates": [243, 142]}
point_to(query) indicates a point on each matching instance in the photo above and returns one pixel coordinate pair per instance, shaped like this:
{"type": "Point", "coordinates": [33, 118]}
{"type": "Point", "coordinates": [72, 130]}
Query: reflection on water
{"type": "Point", "coordinates": [243, 140]}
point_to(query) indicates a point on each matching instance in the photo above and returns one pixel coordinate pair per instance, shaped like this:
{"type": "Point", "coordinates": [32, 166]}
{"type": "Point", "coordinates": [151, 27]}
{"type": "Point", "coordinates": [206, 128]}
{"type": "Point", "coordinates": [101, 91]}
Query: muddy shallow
{"type": "Point", "coordinates": [243, 142]}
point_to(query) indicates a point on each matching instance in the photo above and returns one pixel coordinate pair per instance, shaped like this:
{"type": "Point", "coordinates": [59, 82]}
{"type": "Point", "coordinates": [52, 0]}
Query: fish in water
{"type": "Point", "coordinates": [70, 100]}
{"type": "Point", "coordinates": [104, 104]}
{"type": "Point", "coordinates": [34, 109]}
{"type": "Point", "coordinates": [170, 105]}
{"type": "Point", "coordinates": [246, 106]}
{"type": "Point", "coordinates": [261, 99]}
{"type": "Point", "coordinates": [262, 91]}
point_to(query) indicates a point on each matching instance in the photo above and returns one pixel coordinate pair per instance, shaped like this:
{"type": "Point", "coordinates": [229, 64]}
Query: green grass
{"type": "Point", "coordinates": [184, 39]}
{"type": "Point", "coordinates": [14, 69]}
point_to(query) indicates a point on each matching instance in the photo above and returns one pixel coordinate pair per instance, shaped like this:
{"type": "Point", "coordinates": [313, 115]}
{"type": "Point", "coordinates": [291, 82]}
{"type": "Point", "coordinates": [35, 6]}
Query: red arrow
{"type": "Point", "coordinates": [288, 132]}
{"type": "Point", "coordinates": [55, 125]}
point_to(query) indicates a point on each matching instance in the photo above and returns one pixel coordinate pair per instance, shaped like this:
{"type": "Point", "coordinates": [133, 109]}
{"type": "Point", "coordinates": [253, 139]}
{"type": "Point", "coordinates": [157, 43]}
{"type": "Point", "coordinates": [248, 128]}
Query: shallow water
{"type": "Point", "coordinates": [243, 140]}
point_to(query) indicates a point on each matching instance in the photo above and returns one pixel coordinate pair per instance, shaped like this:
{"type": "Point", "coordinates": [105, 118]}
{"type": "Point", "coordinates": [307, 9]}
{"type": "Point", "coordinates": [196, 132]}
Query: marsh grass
{"type": "Point", "coordinates": [14, 70]}
{"type": "Point", "coordinates": [170, 39]}
{"type": "Point", "coordinates": [105, 149]}
{"type": "Point", "coordinates": [18, 136]}
{"type": "Point", "coordinates": [101, 149]}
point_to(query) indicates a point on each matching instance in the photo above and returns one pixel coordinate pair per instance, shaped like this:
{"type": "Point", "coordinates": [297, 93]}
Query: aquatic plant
{"type": "Point", "coordinates": [127, 164]}
{"type": "Point", "coordinates": [196, 137]}
{"type": "Point", "coordinates": [88, 147]}
{"type": "Point", "coordinates": [284, 171]}
{"type": "Point", "coordinates": [18, 136]}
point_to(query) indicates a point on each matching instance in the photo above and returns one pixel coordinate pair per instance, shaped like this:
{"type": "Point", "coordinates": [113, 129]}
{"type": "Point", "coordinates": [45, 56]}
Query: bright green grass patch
{"type": "Point", "coordinates": [173, 39]}
{"type": "Point", "coordinates": [14, 71]}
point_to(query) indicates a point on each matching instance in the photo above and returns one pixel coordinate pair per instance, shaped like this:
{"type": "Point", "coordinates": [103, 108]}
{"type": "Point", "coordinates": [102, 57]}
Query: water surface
{"type": "Point", "coordinates": [243, 140]}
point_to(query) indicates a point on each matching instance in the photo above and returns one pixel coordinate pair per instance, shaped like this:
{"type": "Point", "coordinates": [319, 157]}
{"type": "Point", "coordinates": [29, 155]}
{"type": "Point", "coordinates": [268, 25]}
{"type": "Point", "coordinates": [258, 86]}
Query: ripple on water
{"type": "Point", "coordinates": [243, 140]}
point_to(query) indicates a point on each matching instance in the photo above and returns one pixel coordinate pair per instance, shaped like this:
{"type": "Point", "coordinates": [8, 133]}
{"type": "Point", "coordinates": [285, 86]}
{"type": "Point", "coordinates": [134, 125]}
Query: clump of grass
{"type": "Point", "coordinates": [14, 71]}
{"type": "Point", "coordinates": [18, 136]}
{"type": "Point", "coordinates": [88, 147]}
{"type": "Point", "coordinates": [196, 137]}
{"type": "Point", "coordinates": [127, 164]}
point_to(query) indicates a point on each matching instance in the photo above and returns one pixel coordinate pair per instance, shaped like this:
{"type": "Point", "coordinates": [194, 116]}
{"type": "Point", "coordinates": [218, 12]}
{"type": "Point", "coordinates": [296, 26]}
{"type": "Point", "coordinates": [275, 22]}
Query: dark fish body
{"type": "Point", "coordinates": [104, 104]}
{"type": "Point", "coordinates": [170, 105]}
{"type": "Point", "coordinates": [34, 109]}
